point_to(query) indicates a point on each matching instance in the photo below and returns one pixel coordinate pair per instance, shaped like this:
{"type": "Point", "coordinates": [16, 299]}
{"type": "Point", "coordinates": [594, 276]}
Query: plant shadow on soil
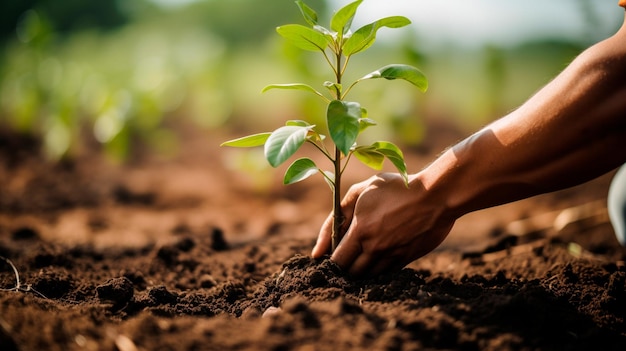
{"type": "Point", "coordinates": [116, 260]}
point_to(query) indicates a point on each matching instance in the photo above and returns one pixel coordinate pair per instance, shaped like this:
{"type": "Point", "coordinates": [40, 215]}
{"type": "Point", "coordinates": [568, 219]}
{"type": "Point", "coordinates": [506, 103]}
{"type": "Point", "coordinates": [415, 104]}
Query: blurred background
{"type": "Point", "coordinates": [118, 74]}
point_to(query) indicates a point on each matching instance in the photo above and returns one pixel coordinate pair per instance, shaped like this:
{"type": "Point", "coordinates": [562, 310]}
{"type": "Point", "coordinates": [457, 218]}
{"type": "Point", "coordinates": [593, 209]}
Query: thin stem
{"type": "Point", "coordinates": [327, 100]}
{"type": "Point", "coordinates": [338, 216]}
{"type": "Point", "coordinates": [350, 88]}
{"type": "Point", "coordinates": [18, 285]}
{"type": "Point", "coordinates": [345, 164]}
{"type": "Point", "coordinates": [328, 179]}
{"type": "Point", "coordinates": [345, 65]}
{"type": "Point", "coordinates": [330, 63]}
{"type": "Point", "coordinates": [338, 72]}
{"type": "Point", "coordinates": [322, 145]}
{"type": "Point", "coordinates": [323, 150]}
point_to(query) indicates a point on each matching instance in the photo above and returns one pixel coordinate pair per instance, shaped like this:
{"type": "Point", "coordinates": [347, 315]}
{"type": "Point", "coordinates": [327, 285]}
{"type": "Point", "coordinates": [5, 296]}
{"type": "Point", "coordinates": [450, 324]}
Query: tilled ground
{"type": "Point", "coordinates": [174, 255]}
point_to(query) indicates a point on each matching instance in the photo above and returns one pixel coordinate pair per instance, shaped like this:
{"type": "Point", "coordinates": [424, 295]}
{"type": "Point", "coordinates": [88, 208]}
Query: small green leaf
{"type": "Point", "coordinates": [292, 86]}
{"type": "Point", "coordinates": [343, 123]}
{"type": "Point", "coordinates": [248, 141]}
{"type": "Point", "coordinates": [398, 71]}
{"type": "Point", "coordinates": [342, 19]}
{"type": "Point", "coordinates": [315, 136]}
{"type": "Point", "coordinates": [370, 157]}
{"type": "Point", "coordinates": [284, 142]}
{"type": "Point", "coordinates": [365, 36]}
{"type": "Point", "coordinates": [363, 112]}
{"type": "Point", "coordinates": [310, 16]}
{"type": "Point", "coordinates": [334, 88]}
{"type": "Point", "coordinates": [365, 123]}
{"type": "Point", "coordinates": [303, 37]}
{"type": "Point", "coordinates": [297, 122]}
{"type": "Point", "coordinates": [329, 177]}
{"type": "Point", "coordinates": [312, 135]}
{"type": "Point", "coordinates": [300, 170]}
{"type": "Point", "coordinates": [327, 33]}
{"type": "Point", "coordinates": [393, 154]}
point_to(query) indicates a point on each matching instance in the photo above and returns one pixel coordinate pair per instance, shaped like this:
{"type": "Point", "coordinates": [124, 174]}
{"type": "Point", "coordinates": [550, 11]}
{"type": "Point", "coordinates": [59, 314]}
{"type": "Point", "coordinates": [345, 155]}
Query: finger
{"type": "Point", "coordinates": [348, 251]}
{"type": "Point", "coordinates": [324, 238]}
{"type": "Point", "coordinates": [322, 245]}
{"type": "Point", "coordinates": [361, 266]}
{"type": "Point", "coordinates": [349, 200]}
{"type": "Point", "coordinates": [348, 204]}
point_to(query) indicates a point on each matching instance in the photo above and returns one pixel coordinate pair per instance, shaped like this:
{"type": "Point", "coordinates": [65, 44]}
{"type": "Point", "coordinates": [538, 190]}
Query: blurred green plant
{"type": "Point", "coordinates": [345, 120]}
{"type": "Point", "coordinates": [126, 73]}
{"type": "Point", "coordinates": [116, 83]}
{"type": "Point", "coordinates": [118, 86]}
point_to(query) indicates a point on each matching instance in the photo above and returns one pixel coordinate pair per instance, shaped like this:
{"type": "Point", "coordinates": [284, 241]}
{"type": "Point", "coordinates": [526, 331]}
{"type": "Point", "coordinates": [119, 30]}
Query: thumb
{"type": "Point", "coordinates": [324, 238]}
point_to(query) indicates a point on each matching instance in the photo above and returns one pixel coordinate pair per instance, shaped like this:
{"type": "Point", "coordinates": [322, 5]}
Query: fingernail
{"type": "Point", "coordinates": [314, 251]}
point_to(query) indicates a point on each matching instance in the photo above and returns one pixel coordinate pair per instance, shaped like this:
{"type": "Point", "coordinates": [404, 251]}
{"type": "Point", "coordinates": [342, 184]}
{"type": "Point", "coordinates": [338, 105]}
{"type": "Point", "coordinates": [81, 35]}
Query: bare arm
{"type": "Point", "coordinates": [571, 131]}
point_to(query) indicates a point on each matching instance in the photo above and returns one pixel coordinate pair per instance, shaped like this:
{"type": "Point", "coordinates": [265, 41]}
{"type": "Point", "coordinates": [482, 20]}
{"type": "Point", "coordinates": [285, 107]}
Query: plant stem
{"type": "Point", "coordinates": [338, 217]}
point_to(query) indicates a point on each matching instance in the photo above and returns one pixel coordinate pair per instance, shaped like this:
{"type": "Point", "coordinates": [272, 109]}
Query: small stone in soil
{"type": "Point", "coordinates": [271, 311]}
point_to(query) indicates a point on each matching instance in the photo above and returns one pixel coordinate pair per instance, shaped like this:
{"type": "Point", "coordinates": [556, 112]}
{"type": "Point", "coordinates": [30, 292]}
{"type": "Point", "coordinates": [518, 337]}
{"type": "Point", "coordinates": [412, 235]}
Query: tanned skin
{"type": "Point", "coordinates": [571, 131]}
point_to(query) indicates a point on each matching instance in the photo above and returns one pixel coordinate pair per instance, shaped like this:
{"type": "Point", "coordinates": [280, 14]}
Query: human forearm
{"type": "Point", "coordinates": [571, 131]}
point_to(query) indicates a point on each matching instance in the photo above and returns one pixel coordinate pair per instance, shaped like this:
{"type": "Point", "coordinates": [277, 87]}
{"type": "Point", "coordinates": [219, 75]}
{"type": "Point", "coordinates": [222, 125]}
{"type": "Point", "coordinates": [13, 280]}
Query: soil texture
{"type": "Point", "coordinates": [184, 253]}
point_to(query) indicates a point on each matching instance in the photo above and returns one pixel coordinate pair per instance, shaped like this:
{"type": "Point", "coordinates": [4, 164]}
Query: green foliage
{"type": "Point", "coordinates": [343, 123]}
{"type": "Point", "coordinates": [284, 142]}
{"type": "Point", "coordinates": [345, 120]}
{"type": "Point", "coordinates": [301, 169]}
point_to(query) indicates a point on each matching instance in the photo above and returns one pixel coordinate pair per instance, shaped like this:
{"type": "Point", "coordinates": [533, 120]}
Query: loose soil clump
{"type": "Point", "coordinates": [178, 255]}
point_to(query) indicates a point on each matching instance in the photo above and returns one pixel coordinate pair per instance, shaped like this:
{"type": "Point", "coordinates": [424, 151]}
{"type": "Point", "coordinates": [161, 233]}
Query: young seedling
{"type": "Point", "coordinates": [345, 119]}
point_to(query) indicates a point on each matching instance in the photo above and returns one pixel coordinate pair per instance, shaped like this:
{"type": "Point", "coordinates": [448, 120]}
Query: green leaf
{"type": "Point", "coordinates": [248, 141]}
{"type": "Point", "coordinates": [334, 88]}
{"type": "Point", "coordinates": [342, 19]}
{"type": "Point", "coordinates": [327, 33]}
{"type": "Point", "coordinates": [284, 142]}
{"type": "Point", "coordinates": [317, 137]}
{"type": "Point", "coordinates": [398, 71]}
{"type": "Point", "coordinates": [312, 135]}
{"type": "Point", "coordinates": [297, 122]}
{"type": "Point", "coordinates": [303, 37]}
{"type": "Point", "coordinates": [393, 154]}
{"type": "Point", "coordinates": [310, 16]}
{"type": "Point", "coordinates": [343, 123]}
{"type": "Point", "coordinates": [329, 177]}
{"type": "Point", "coordinates": [365, 36]}
{"type": "Point", "coordinates": [370, 157]}
{"type": "Point", "coordinates": [292, 86]}
{"type": "Point", "coordinates": [363, 112]}
{"type": "Point", "coordinates": [300, 170]}
{"type": "Point", "coordinates": [365, 123]}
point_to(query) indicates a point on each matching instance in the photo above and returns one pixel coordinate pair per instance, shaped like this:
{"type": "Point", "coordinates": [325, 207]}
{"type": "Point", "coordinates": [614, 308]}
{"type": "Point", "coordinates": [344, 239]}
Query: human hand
{"type": "Point", "coordinates": [387, 226]}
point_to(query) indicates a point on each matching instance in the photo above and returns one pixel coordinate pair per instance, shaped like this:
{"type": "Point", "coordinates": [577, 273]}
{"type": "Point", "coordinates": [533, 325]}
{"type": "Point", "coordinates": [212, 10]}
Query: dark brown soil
{"type": "Point", "coordinates": [182, 254]}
